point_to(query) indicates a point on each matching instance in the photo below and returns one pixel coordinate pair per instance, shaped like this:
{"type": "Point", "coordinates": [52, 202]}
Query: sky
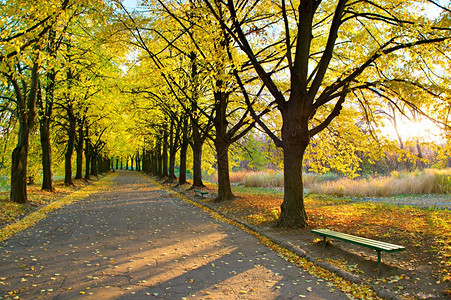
{"type": "Point", "coordinates": [129, 4]}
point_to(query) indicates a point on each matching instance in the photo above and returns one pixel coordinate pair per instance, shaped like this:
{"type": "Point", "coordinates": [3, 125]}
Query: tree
{"type": "Point", "coordinates": [20, 64]}
{"type": "Point", "coordinates": [324, 52]}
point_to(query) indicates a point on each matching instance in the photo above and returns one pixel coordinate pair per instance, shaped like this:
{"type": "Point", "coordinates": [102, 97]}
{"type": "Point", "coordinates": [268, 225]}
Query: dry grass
{"type": "Point", "coordinates": [237, 177]}
{"type": "Point", "coordinates": [274, 179]}
{"type": "Point", "coordinates": [421, 182]}
{"type": "Point", "coordinates": [264, 179]}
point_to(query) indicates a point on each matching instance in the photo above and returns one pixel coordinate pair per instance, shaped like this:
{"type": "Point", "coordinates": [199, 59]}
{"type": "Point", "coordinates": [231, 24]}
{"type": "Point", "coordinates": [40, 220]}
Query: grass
{"type": "Point", "coordinates": [274, 179]}
{"type": "Point", "coordinates": [429, 181]}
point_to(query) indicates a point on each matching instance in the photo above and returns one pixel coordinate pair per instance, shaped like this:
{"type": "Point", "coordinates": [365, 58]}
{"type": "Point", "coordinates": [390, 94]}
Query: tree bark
{"type": "Point", "coordinates": [183, 152]}
{"type": "Point", "coordinates": [165, 154]}
{"type": "Point", "coordinates": [293, 213]}
{"type": "Point", "coordinates": [196, 146]}
{"type": "Point", "coordinates": [173, 140]}
{"type": "Point", "coordinates": [19, 167]}
{"type": "Point", "coordinates": [222, 143]}
{"type": "Point", "coordinates": [47, 176]}
{"type": "Point", "coordinates": [94, 171]}
{"type": "Point", "coordinates": [44, 129]}
{"type": "Point", "coordinates": [224, 188]}
{"type": "Point", "coordinates": [87, 158]}
{"type": "Point", "coordinates": [159, 158]}
{"type": "Point", "coordinates": [27, 115]}
{"type": "Point", "coordinates": [81, 137]}
{"type": "Point", "coordinates": [70, 148]}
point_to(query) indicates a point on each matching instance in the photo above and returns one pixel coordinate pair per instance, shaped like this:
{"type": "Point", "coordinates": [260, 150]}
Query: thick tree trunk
{"type": "Point", "coordinates": [183, 152]}
{"type": "Point", "coordinates": [27, 116]}
{"type": "Point", "coordinates": [293, 213]}
{"type": "Point", "coordinates": [165, 154]}
{"type": "Point", "coordinates": [94, 171]}
{"type": "Point", "coordinates": [47, 176]}
{"type": "Point", "coordinates": [87, 158]}
{"type": "Point", "coordinates": [44, 129]}
{"type": "Point", "coordinates": [196, 146]}
{"type": "Point", "coordinates": [70, 150]}
{"type": "Point", "coordinates": [172, 176]}
{"type": "Point", "coordinates": [159, 160]}
{"type": "Point", "coordinates": [295, 141]}
{"type": "Point", "coordinates": [172, 153]}
{"type": "Point", "coordinates": [81, 137]}
{"type": "Point", "coordinates": [197, 164]}
{"type": "Point", "coordinates": [224, 188]}
{"type": "Point", "coordinates": [19, 167]}
{"type": "Point", "coordinates": [222, 144]}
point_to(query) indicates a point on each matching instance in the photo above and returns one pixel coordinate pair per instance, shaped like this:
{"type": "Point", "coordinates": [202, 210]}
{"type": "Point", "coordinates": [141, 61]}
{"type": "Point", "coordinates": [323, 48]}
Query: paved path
{"type": "Point", "coordinates": [133, 239]}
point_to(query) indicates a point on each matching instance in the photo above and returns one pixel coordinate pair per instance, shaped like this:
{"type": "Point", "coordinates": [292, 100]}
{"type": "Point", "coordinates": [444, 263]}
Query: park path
{"type": "Point", "coordinates": [131, 238]}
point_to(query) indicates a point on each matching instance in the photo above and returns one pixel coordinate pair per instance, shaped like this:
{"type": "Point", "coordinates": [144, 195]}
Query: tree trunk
{"type": "Point", "coordinates": [295, 141]}
{"type": "Point", "coordinates": [88, 158]}
{"type": "Point", "coordinates": [44, 129]}
{"type": "Point", "coordinates": [224, 188]}
{"type": "Point", "coordinates": [183, 152]}
{"type": "Point", "coordinates": [159, 158]}
{"type": "Point", "coordinates": [70, 149]}
{"type": "Point", "coordinates": [165, 154]}
{"type": "Point", "coordinates": [222, 144]}
{"type": "Point", "coordinates": [19, 167]}
{"type": "Point", "coordinates": [172, 153]}
{"type": "Point", "coordinates": [27, 116]}
{"type": "Point", "coordinates": [94, 170]}
{"type": "Point", "coordinates": [81, 137]}
{"type": "Point", "coordinates": [197, 165]}
{"type": "Point", "coordinates": [196, 146]}
{"type": "Point", "coordinates": [47, 176]}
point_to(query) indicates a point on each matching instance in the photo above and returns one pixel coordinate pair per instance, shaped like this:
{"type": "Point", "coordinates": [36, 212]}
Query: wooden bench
{"type": "Point", "coordinates": [372, 244]}
{"type": "Point", "coordinates": [201, 193]}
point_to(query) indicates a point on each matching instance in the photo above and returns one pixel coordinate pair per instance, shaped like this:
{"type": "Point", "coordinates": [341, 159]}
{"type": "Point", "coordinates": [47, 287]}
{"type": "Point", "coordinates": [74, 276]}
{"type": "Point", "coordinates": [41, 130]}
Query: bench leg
{"type": "Point", "coordinates": [324, 242]}
{"type": "Point", "coordinates": [379, 264]}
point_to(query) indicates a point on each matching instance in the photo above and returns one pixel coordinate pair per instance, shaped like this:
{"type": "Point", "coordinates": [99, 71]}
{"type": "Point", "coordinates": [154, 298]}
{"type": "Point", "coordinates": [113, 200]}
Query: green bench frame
{"type": "Point", "coordinates": [361, 241]}
{"type": "Point", "coordinates": [201, 193]}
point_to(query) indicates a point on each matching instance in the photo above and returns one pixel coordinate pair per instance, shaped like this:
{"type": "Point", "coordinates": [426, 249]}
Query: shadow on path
{"type": "Point", "coordinates": [136, 240]}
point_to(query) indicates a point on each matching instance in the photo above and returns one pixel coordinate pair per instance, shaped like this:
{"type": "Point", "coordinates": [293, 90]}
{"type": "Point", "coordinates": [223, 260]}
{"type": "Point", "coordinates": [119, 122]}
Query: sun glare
{"type": "Point", "coordinates": [425, 130]}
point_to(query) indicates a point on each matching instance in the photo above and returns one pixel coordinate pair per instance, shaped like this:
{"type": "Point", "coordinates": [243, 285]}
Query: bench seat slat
{"type": "Point", "coordinates": [373, 244]}
{"type": "Point", "coordinates": [202, 193]}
